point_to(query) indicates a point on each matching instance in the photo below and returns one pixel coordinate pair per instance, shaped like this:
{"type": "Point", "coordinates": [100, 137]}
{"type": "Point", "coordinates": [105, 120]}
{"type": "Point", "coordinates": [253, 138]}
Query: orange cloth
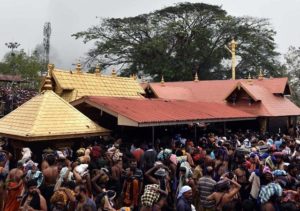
{"type": "Point", "coordinates": [131, 195]}
{"type": "Point", "coordinates": [12, 203]}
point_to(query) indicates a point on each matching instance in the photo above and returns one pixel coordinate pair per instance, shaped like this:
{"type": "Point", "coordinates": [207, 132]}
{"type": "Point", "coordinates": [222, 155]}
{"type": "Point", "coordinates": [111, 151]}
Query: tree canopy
{"type": "Point", "coordinates": [20, 63]}
{"type": "Point", "coordinates": [293, 68]}
{"type": "Point", "coordinates": [180, 40]}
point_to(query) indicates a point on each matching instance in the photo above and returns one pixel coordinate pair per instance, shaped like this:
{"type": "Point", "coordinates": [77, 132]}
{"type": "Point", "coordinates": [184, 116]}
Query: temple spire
{"type": "Point", "coordinates": [261, 75]}
{"type": "Point", "coordinates": [196, 77]}
{"type": "Point", "coordinates": [78, 67]}
{"type": "Point", "coordinates": [232, 50]}
{"type": "Point", "coordinates": [48, 81]}
{"type": "Point", "coordinates": [249, 79]}
{"type": "Point", "coordinates": [113, 73]}
{"type": "Point", "coordinates": [97, 70]}
{"type": "Point", "coordinates": [134, 76]}
{"type": "Point", "coordinates": [162, 82]}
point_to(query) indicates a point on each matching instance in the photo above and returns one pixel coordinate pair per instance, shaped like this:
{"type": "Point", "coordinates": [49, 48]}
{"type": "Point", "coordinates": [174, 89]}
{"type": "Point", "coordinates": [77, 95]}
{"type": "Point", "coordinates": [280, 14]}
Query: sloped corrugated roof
{"type": "Point", "coordinates": [73, 85]}
{"type": "Point", "coordinates": [212, 90]}
{"type": "Point", "coordinates": [46, 117]}
{"type": "Point", "coordinates": [268, 94]}
{"type": "Point", "coordinates": [146, 112]}
{"type": "Point", "coordinates": [269, 105]}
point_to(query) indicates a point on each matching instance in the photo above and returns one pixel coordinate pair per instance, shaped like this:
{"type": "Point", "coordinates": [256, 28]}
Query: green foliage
{"type": "Point", "coordinates": [19, 63]}
{"type": "Point", "coordinates": [177, 41]}
{"type": "Point", "coordinates": [293, 68]}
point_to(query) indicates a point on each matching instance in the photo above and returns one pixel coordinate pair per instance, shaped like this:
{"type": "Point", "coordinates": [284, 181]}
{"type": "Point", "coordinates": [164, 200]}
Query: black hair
{"type": "Point", "coordinates": [69, 184]}
{"type": "Point", "coordinates": [288, 206]}
{"type": "Point", "coordinates": [82, 188]}
{"type": "Point", "coordinates": [248, 205]}
{"type": "Point", "coordinates": [31, 183]}
{"type": "Point", "coordinates": [51, 159]}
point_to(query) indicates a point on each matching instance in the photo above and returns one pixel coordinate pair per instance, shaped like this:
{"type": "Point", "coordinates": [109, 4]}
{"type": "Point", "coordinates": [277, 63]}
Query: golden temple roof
{"type": "Point", "coordinates": [47, 117]}
{"type": "Point", "coordinates": [73, 85]}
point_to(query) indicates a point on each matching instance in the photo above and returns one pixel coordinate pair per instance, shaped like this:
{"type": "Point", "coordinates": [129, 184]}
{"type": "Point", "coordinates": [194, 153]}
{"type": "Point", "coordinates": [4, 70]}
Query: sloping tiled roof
{"type": "Point", "coordinates": [267, 93]}
{"type": "Point", "coordinates": [269, 105]}
{"type": "Point", "coordinates": [15, 78]}
{"type": "Point", "coordinates": [73, 85]}
{"type": "Point", "coordinates": [46, 117]}
{"type": "Point", "coordinates": [149, 112]}
{"type": "Point", "coordinates": [212, 90]}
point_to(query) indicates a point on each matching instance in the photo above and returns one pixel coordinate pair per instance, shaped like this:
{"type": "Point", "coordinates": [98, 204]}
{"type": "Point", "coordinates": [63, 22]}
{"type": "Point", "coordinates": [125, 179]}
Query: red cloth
{"type": "Point", "coordinates": [12, 203]}
{"type": "Point", "coordinates": [138, 153]}
{"type": "Point", "coordinates": [96, 151]}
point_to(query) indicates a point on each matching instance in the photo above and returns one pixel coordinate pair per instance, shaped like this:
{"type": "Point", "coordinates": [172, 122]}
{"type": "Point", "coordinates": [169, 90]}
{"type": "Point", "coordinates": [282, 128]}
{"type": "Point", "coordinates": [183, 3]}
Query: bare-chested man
{"type": "Point", "coordinates": [4, 170]}
{"type": "Point", "coordinates": [51, 174]}
{"type": "Point", "coordinates": [225, 194]}
{"type": "Point", "coordinates": [14, 187]}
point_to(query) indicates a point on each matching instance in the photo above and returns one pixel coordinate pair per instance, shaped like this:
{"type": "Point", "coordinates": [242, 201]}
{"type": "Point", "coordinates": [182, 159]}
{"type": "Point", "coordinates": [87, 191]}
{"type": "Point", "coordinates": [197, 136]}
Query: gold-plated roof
{"type": "Point", "coordinates": [72, 86]}
{"type": "Point", "coordinates": [46, 117]}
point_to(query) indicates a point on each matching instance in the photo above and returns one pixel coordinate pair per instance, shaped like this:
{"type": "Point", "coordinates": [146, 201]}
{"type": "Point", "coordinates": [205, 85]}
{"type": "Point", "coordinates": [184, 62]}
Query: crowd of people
{"type": "Point", "coordinates": [241, 171]}
{"type": "Point", "coordinates": [13, 97]}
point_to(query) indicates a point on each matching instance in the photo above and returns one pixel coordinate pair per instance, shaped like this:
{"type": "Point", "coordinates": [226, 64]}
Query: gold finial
{"type": "Point", "coordinates": [48, 81]}
{"type": "Point", "coordinates": [162, 82]}
{"type": "Point", "coordinates": [261, 75]}
{"type": "Point", "coordinates": [78, 68]}
{"type": "Point", "coordinates": [97, 70]}
{"type": "Point", "coordinates": [249, 79]}
{"type": "Point", "coordinates": [113, 72]}
{"type": "Point", "coordinates": [196, 77]}
{"type": "Point", "coordinates": [232, 50]}
{"type": "Point", "coordinates": [50, 67]}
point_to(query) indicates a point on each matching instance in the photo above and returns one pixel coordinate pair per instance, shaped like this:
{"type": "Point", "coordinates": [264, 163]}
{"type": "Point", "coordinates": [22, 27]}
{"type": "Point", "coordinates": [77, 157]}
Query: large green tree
{"type": "Point", "coordinates": [292, 64]}
{"type": "Point", "coordinates": [180, 40]}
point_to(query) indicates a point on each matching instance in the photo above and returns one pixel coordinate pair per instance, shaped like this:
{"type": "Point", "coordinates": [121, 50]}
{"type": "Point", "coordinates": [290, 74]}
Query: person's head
{"type": "Point", "coordinates": [293, 170]}
{"type": "Point", "coordinates": [182, 171]}
{"type": "Point", "coordinates": [278, 157]}
{"type": "Point", "coordinates": [222, 186]}
{"type": "Point", "coordinates": [69, 184]}
{"type": "Point", "coordinates": [80, 192]}
{"type": "Point", "coordinates": [104, 175]}
{"type": "Point", "coordinates": [58, 201]}
{"type": "Point", "coordinates": [248, 205]}
{"type": "Point", "coordinates": [31, 186]}
{"type": "Point", "coordinates": [133, 165]}
{"type": "Point", "coordinates": [51, 159]}
{"type": "Point", "coordinates": [290, 206]}
{"type": "Point", "coordinates": [252, 157]}
{"type": "Point", "coordinates": [186, 192]}
{"type": "Point", "coordinates": [161, 173]}
{"type": "Point", "coordinates": [59, 206]}
{"type": "Point", "coordinates": [239, 158]}
{"type": "Point", "coordinates": [30, 165]}
{"type": "Point", "coordinates": [209, 170]}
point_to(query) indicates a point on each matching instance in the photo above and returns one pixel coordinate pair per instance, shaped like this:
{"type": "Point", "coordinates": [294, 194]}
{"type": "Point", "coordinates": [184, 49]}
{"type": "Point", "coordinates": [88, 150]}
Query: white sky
{"type": "Point", "coordinates": [22, 21]}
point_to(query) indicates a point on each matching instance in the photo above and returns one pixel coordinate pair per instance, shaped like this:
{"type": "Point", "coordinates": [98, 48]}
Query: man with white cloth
{"type": "Point", "coordinates": [184, 199]}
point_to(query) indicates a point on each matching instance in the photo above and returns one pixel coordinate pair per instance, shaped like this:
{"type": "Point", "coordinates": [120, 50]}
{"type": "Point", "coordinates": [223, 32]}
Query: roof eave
{"type": "Point", "coordinates": [184, 122]}
{"type": "Point", "coordinates": [54, 137]}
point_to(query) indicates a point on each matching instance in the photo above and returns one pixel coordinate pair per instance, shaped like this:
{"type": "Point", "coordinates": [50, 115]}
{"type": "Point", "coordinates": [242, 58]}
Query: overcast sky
{"type": "Point", "coordinates": [22, 21]}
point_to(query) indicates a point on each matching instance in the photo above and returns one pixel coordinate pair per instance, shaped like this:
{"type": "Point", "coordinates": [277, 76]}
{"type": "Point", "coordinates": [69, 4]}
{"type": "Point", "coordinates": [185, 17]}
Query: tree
{"type": "Point", "coordinates": [177, 41]}
{"type": "Point", "coordinates": [19, 63]}
{"type": "Point", "coordinates": [293, 68]}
